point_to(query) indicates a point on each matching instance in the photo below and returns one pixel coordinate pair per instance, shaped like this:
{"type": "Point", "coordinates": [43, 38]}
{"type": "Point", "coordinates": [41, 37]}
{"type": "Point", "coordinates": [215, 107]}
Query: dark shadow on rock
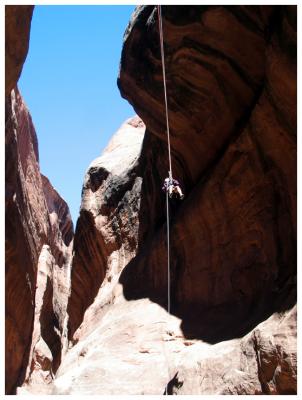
{"type": "Point", "coordinates": [262, 280]}
{"type": "Point", "coordinates": [173, 383]}
{"type": "Point", "coordinates": [50, 326]}
{"type": "Point", "coordinates": [145, 276]}
{"type": "Point", "coordinates": [210, 324]}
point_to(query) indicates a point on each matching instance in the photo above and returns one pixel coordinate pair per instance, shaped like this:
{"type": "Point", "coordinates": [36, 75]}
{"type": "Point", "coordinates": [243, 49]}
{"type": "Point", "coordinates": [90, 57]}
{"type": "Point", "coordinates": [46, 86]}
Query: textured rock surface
{"type": "Point", "coordinates": [59, 213]}
{"type": "Point", "coordinates": [24, 233]}
{"type": "Point", "coordinates": [17, 31]}
{"type": "Point", "coordinates": [231, 75]}
{"type": "Point", "coordinates": [262, 362]}
{"type": "Point", "coordinates": [40, 368]}
{"type": "Point", "coordinates": [137, 348]}
{"type": "Point", "coordinates": [49, 339]}
{"type": "Point", "coordinates": [29, 225]}
{"type": "Point", "coordinates": [107, 228]}
{"type": "Point", "coordinates": [18, 314]}
{"type": "Point", "coordinates": [38, 234]}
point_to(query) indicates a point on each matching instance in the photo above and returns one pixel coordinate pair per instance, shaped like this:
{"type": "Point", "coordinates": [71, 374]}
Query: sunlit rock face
{"type": "Point", "coordinates": [231, 79]}
{"type": "Point", "coordinates": [36, 290]}
{"type": "Point", "coordinates": [107, 230]}
{"type": "Point", "coordinates": [138, 348]}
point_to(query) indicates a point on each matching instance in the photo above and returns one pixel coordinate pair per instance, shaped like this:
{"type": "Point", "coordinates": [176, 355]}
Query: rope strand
{"type": "Point", "coordinates": [168, 251]}
{"type": "Point", "coordinates": [160, 23]}
{"type": "Point", "coordinates": [168, 272]}
{"type": "Point", "coordinates": [170, 167]}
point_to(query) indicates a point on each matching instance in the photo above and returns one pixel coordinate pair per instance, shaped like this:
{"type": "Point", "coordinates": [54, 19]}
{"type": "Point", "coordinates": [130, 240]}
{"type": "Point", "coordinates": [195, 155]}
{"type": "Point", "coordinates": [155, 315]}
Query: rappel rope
{"type": "Point", "coordinates": [170, 165]}
{"type": "Point", "coordinates": [169, 151]}
{"type": "Point", "coordinates": [168, 252]}
{"type": "Point", "coordinates": [160, 23]}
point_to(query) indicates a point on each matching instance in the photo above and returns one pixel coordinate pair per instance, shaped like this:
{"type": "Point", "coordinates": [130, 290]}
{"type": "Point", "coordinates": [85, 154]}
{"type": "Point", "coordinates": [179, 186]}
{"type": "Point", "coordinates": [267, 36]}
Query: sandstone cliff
{"type": "Point", "coordinates": [231, 77]}
{"type": "Point", "coordinates": [38, 236]}
{"type": "Point", "coordinates": [107, 228]}
{"type": "Point", "coordinates": [38, 242]}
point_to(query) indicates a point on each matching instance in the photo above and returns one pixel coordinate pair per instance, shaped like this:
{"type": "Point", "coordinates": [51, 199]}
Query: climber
{"type": "Point", "coordinates": [172, 186]}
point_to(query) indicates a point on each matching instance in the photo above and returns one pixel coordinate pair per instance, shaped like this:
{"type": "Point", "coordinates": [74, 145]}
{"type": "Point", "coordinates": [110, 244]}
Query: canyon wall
{"type": "Point", "coordinates": [231, 79]}
{"type": "Point", "coordinates": [107, 228]}
{"type": "Point", "coordinates": [38, 245]}
{"type": "Point", "coordinates": [38, 235]}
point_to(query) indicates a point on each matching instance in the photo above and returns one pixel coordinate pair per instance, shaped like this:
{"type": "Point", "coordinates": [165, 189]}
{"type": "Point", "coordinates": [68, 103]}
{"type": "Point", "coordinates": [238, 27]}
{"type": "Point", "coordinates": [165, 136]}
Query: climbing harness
{"type": "Point", "coordinates": [170, 163]}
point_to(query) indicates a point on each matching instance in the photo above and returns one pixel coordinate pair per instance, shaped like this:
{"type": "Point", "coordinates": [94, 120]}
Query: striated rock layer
{"type": "Point", "coordinates": [38, 235]}
{"type": "Point", "coordinates": [107, 228]}
{"type": "Point", "coordinates": [120, 341]}
{"type": "Point", "coordinates": [19, 282]}
{"type": "Point", "coordinates": [38, 241]}
{"type": "Point", "coordinates": [231, 78]}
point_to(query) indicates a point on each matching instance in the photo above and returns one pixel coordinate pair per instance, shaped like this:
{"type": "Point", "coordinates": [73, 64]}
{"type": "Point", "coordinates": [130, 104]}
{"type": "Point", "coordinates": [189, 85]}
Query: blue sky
{"type": "Point", "coordinates": [69, 85]}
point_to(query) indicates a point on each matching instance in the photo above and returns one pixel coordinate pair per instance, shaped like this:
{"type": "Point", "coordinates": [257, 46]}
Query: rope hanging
{"type": "Point", "coordinates": [170, 163]}
{"type": "Point", "coordinates": [168, 252]}
{"type": "Point", "coordinates": [169, 151]}
{"type": "Point", "coordinates": [160, 23]}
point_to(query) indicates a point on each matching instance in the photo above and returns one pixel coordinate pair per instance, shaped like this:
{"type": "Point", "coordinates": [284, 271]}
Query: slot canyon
{"type": "Point", "coordinates": [86, 306]}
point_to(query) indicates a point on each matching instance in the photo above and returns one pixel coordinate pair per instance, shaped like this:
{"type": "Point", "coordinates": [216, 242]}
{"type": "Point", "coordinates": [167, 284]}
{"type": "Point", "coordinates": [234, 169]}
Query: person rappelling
{"type": "Point", "coordinates": [172, 187]}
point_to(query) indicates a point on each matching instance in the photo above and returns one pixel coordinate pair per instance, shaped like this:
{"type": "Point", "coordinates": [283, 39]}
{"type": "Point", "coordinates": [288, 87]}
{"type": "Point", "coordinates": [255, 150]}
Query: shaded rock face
{"type": "Point", "coordinates": [29, 226]}
{"type": "Point", "coordinates": [231, 81]}
{"type": "Point", "coordinates": [19, 275]}
{"type": "Point", "coordinates": [21, 245]}
{"type": "Point", "coordinates": [231, 77]}
{"type": "Point", "coordinates": [17, 31]}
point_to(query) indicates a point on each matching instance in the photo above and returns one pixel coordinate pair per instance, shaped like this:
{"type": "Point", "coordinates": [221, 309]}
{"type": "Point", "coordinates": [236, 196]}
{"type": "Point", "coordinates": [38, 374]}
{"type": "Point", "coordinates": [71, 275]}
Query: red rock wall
{"type": "Point", "coordinates": [21, 246]}
{"type": "Point", "coordinates": [17, 32]}
{"type": "Point", "coordinates": [35, 216]}
{"type": "Point", "coordinates": [231, 75]}
{"type": "Point", "coordinates": [231, 78]}
{"type": "Point", "coordinates": [106, 235]}
{"type": "Point", "coordinates": [19, 275]}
